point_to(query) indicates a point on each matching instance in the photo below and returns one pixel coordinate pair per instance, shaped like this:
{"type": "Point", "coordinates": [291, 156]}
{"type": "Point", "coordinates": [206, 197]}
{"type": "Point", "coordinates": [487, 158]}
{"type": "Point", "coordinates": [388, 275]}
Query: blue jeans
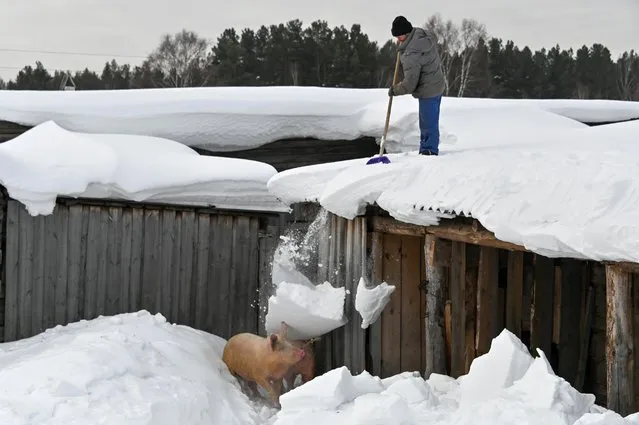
{"type": "Point", "coordinates": [429, 123]}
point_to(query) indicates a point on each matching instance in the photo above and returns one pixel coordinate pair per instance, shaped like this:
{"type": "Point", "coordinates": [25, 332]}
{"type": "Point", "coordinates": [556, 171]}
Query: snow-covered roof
{"type": "Point", "coordinates": [237, 118]}
{"type": "Point", "coordinates": [527, 175]}
{"type": "Point", "coordinates": [48, 161]}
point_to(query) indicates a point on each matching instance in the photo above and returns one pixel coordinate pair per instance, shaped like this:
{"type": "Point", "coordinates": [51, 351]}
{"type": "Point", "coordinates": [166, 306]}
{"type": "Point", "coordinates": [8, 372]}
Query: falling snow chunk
{"type": "Point", "coordinates": [370, 302]}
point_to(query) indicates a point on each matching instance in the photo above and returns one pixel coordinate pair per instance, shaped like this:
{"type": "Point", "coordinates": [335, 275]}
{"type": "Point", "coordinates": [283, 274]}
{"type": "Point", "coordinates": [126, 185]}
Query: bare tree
{"type": "Point", "coordinates": [181, 59]}
{"type": "Point", "coordinates": [3, 85]}
{"type": "Point", "coordinates": [448, 39]}
{"type": "Point", "coordinates": [628, 69]}
{"type": "Point", "coordinates": [472, 32]}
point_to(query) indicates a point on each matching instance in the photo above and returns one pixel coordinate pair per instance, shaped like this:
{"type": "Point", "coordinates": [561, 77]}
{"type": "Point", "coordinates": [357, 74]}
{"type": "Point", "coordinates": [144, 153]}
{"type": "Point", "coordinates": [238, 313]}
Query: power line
{"type": "Point", "coordinates": [54, 52]}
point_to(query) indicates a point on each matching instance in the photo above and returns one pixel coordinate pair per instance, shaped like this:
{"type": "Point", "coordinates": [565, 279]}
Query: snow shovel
{"type": "Point", "coordinates": [381, 158]}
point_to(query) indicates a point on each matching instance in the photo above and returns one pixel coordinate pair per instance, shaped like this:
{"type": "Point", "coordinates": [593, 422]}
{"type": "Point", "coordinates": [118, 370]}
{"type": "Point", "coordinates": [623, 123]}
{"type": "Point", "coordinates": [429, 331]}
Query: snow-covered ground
{"type": "Point", "coordinates": [555, 190]}
{"type": "Point", "coordinates": [232, 118]}
{"type": "Point", "coordinates": [138, 369]}
{"type": "Point", "coordinates": [49, 161]}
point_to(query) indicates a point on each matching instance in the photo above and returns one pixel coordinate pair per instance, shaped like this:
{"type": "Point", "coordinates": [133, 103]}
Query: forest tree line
{"type": "Point", "coordinates": [475, 64]}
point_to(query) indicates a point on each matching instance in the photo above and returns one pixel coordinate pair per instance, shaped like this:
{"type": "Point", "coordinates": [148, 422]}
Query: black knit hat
{"type": "Point", "coordinates": [401, 26]}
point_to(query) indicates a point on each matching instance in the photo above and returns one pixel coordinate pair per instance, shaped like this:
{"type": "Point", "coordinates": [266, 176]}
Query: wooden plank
{"type": "Point", "coordinates": [434, 320]}
{"type": "Point", "coordinates": [104, 275]}
{"type": "Point", "coordinates": [76, 241]}
{"type": "Point", "coordinates": [37, 305]}
{"type": "Point", "coordinates": [92, 263]}
{"type": "Point", "coordinates": [515, 292]}
{"type": "Point", "coordinates": [586, 330]}
{"type": "Point", "coordinates": [411, 323]}
{"type": "Point", "coordinates": [226, 262]}
{"type": "Point", "coordinates": [187, 238]}
{"type": "Point", "coordinates": [201, 275]}
{"type": "Point", "coordinates": [392, 316]}
{"type": "Point", "coordinates": [572, 275]}
{"type": "Point", "coordinates": [542, 312]}
{"type": "Point", "coordinates": [448, 330]}
{"type": "Point", "coordinates": [349, 299]}
{"type": "Point", "coordinates": [338, 335]}
{"type": "Point", "coordinates": [167, 236]}
{"type": "Point", "coordinates": [470, 304]}
{"type": "Point", "coordinates": [241, 279]}
{"type": "Point", "coordinates": [60, 278]}
{"type": "Point", "coordinates": [114, 261]}
{"type": "Point", "coordinates": [252, 276]}
{"type": "Point", "coordinates": [619, 341]}
{"type": "Point", "coordinates": [487, 298]}
{"type": "Point", "coordinates": [50, 258]}
{"type": "Point", "coordinates": [126, 259]}
{"type": "Point", "coordinates": [12, 271]}
{"type": "Point", "coordinates": [137, 258]}
{"type": "Point", "coordinates": [151, 259]}
{"type": "Point", "coordinates": [456, 287]}
{"type": "Point", "coordinates": [26, 273]}
{"type": "Point", "coordinates": [375, 329]}
{"type": "Point", "coordinates": [359, 261]}
{"type": "Point", "coordinates": [176, 268]}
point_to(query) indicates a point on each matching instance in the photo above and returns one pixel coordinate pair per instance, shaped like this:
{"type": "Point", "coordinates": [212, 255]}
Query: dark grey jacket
{"type": "Point", "coordinates": [423, 76]}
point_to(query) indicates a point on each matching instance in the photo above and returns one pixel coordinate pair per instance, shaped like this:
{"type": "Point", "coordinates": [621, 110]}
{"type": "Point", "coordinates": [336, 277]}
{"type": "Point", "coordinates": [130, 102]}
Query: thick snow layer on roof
{"type": "Point", "coordinates": [48, 161]}
{"type": "Point", "coordinates": [570, 192]}
{"type": "Point", "coordinates": [235, 118]}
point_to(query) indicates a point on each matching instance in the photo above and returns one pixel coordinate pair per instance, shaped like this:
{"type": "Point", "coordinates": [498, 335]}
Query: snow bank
{"type": "Point", "coordinates": [127, 369]}
{"type": "Point", "coordinates": [573, 193]}
{"type": "Point", "coordinates": [310, 311]}
{"type": "Point", "coordinates": [370, 302]}
{"type": "Point", "coordinates": [232, 118]}
{"type": "Point", "coordinates": [48, 161]}
{"type": "Point", "coordinates": [524, 391]}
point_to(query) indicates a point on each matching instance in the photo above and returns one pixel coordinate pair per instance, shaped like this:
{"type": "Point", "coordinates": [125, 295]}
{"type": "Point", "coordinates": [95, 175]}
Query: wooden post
{"type": "Point", "coordinates": [434, 326]}
{"type": "Point", "coordinates": [470, 304]}
{"type": "Point", "coordinates": [619, 341]}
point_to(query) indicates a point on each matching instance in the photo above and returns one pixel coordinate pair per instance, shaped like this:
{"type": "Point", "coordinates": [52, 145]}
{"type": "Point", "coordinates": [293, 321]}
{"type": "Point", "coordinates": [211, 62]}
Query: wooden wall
{"type": "Point", "coordinates": [197, 267]}
{"type": "Point", "coordinates": [557, 305]}
{"type": "Point", "coordinates": [343, 259]}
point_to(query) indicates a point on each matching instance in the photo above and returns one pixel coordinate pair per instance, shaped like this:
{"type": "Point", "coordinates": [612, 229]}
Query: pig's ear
{"type": "Point", "coordinates": [283, 329]}
{"type": "Point", "coordinates": [272, 340]}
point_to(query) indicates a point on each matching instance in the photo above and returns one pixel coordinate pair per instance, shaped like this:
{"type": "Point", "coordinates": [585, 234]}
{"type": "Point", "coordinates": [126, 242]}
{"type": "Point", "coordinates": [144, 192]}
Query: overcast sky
{"type": "Point", "coordinates": [134, 27]}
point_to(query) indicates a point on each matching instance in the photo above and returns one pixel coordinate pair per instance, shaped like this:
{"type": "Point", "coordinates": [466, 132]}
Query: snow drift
{"type": "Point", "coordinates": [232, 118]}
{"type": "Point", "coordinates": [128, 369]}
{"type": "Point", "coordinates": [48, 161]}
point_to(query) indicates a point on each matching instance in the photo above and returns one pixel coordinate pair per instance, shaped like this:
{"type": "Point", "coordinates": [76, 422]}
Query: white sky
{"type": "Point", "coordinates": [134, 27]}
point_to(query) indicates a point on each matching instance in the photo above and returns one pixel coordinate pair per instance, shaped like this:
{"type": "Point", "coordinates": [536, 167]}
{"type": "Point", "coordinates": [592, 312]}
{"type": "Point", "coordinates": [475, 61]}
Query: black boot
{"type": "Point", "coordinates": [428, 153]}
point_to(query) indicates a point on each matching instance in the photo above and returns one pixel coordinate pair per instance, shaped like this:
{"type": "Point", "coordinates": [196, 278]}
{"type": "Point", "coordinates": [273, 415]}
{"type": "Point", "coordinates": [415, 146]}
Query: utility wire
{"type": "Point", "coordinates": [54, 52]}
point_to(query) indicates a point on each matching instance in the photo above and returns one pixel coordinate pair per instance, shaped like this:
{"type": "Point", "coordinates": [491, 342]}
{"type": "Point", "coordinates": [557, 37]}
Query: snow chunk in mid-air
{"type": "Point", "coordinates": [128, 369]}
{"type": "Point", "coordinates": [370, 302]}
{"type": "Point", "coordinates": [309, 311]}
{"type": "Point", "coordinates": [49, 161]}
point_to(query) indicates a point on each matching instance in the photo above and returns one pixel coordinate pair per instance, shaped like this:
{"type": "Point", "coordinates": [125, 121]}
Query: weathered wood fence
{"type": "Point", "coordinates": [198, 267]}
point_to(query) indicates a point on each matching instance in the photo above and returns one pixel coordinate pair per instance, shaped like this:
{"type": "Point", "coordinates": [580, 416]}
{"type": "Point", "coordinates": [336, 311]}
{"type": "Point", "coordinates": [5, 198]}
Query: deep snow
{"type": "Point", "coordinates": [231, 118]}
{"type": "Point", "coordinates": [138, 369]}
{"type": "Point", "coordinates": [49, 161]}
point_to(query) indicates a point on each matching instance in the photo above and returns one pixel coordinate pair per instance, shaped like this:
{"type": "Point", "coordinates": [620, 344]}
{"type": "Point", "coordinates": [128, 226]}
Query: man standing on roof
{"type": "Point", "coordinates": [423, 78]}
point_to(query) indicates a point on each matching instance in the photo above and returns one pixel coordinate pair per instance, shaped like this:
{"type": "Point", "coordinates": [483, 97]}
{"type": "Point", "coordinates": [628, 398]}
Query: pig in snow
{"type": "Point", "coordinates": [262, 361]}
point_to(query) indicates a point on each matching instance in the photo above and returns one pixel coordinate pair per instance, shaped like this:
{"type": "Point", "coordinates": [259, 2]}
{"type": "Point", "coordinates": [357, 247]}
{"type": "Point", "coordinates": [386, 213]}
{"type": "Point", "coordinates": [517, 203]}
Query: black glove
{"type": "Point", "coordinates": [390, 91]}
